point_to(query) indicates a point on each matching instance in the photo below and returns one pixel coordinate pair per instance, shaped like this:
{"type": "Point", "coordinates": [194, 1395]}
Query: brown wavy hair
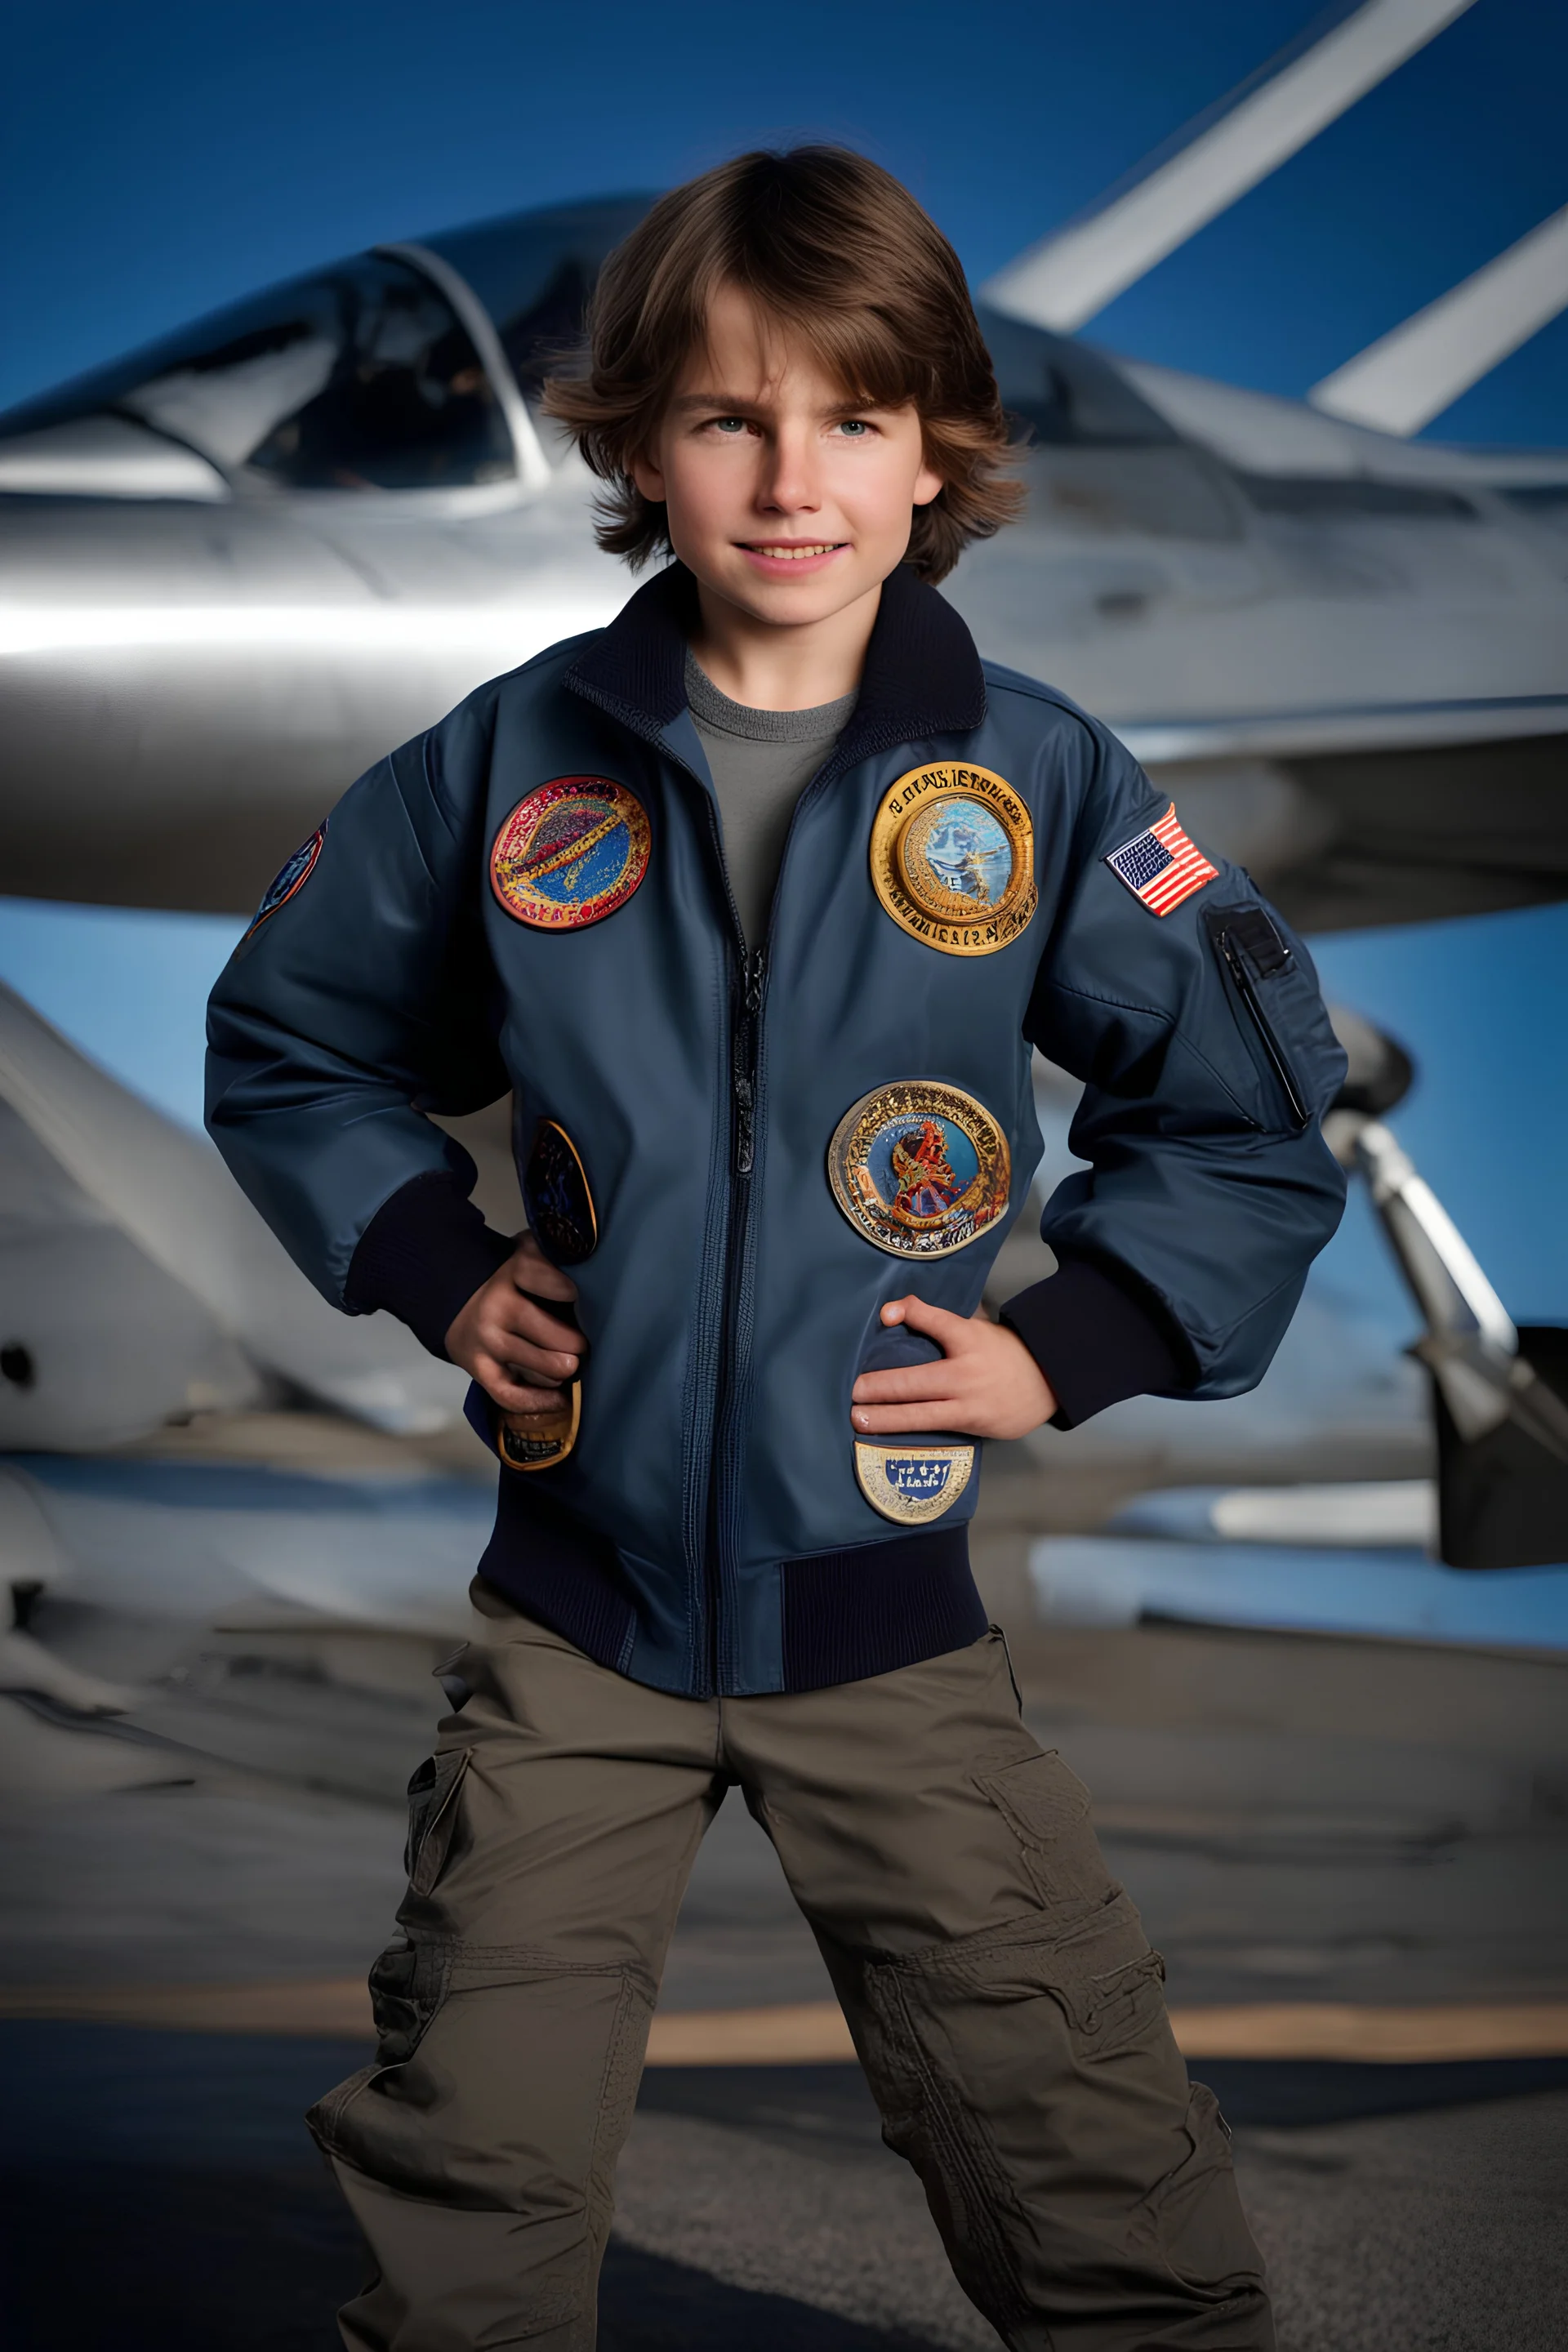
{"type": "Point", "coordinates": [834, 248]}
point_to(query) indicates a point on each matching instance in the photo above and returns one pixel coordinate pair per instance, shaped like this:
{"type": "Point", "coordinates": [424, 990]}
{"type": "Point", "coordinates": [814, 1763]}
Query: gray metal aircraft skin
{"type": "Point", "coordinates": [238, 566]}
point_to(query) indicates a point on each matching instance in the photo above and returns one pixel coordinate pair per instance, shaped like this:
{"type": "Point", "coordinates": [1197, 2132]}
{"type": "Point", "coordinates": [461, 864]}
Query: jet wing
{"type": "Point", "coordinates": [139, 1283]}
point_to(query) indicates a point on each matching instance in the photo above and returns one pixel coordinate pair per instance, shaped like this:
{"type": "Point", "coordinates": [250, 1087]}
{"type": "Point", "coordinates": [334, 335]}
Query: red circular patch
{"type": "Point", "coordinates": [570, 852]}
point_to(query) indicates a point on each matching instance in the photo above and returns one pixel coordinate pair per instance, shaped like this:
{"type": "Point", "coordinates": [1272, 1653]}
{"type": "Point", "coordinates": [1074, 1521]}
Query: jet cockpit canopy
{"type": "Point", "coordinates": [381, 372]}
{"type": "Point", "coordinates": [360, 377]}
{"type": "Point", "coordinates": [534, 271]}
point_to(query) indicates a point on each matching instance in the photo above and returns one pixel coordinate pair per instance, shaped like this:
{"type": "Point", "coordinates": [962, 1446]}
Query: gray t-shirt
{"type": "Point", "coordinates": [761, 762]}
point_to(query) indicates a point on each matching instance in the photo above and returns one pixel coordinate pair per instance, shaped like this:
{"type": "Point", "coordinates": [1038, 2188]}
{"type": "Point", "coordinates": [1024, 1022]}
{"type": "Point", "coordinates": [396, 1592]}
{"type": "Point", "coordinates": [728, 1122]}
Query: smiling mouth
{"type": "Point", "coordinates": [785, 553]}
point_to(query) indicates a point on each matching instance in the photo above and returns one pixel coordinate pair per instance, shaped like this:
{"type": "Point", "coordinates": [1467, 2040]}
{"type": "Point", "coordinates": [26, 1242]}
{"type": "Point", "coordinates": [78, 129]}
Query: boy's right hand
{"type": "Point", "coordinates": [520, 1353]}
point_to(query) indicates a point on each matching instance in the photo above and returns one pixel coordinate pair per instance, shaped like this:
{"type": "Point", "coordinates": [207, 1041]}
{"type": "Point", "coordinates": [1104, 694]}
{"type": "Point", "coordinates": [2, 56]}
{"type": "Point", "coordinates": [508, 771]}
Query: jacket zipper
{"type": "Point", "coordinates": [745, 1003]}
{"type": "Point", "coordinates": [736, 1344]}
{"type": "Point", "coordinates": [742, 1154]}
{"type": "Point", "coordinates": [1248, 992]}
{"type": "Point", "coordinates": [726, 1457]}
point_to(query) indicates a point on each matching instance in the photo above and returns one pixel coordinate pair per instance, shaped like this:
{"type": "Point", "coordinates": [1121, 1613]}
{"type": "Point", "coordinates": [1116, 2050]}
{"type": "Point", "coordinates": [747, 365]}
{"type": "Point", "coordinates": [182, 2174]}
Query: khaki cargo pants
{"type": "Point", "coordinates": [1003, 1998]}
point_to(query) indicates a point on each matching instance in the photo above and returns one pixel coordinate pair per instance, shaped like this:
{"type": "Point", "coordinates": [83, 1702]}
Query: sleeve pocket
{"type": "Point", "coordinates": [1280, 1013]}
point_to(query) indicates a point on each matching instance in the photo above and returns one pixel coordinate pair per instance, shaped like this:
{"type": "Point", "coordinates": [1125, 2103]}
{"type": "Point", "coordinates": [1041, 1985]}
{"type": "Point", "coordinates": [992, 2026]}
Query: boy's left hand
{"type": "Point", "coordinates": [986, 1384]}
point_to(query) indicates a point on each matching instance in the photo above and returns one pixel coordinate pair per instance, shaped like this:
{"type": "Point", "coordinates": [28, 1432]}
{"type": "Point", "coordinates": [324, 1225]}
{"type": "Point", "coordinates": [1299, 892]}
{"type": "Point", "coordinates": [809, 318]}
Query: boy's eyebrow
{"type": "Point", "coordinates": [725, 403]}
{"type": "Point", "coordinates": [686, 400]}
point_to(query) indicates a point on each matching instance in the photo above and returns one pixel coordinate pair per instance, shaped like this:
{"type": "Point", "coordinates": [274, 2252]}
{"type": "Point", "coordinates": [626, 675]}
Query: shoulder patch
{"type": "Point", "coordinates": [292, 876]}
{"type": "Point", "coordinates": [1160, 866]}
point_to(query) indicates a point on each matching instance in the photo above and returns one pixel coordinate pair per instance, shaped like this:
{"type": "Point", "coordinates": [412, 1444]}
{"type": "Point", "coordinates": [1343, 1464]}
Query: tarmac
{"type": "Point", "coordinates": [1315, 1829]}
{"type": "Point", "coordinates": [162, 2197]}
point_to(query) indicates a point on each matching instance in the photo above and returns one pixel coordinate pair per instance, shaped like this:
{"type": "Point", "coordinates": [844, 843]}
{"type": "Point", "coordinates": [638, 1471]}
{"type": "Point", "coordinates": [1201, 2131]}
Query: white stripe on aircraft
{"type": "Point", "coordinates": [1070, 275]}
{"type": "Point", "coordinates": [1419, 369]}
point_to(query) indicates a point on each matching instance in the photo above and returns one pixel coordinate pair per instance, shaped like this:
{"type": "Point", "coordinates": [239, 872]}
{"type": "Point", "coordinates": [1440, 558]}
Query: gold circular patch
{"type": "Point", "coordinates": [920, 1168]}
{"type": "Point", "coordinates": [952, 858]}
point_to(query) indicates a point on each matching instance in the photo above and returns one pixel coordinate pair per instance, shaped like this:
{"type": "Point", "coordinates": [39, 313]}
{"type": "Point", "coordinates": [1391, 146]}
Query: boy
{"type": "Point", "coordinates": [758, 901]}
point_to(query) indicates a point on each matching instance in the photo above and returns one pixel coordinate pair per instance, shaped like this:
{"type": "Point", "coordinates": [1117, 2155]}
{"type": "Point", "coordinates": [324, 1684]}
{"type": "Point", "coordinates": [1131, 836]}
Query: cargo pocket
{"type": "Point", "coordinates": [433, 1816]}
{"type": "Point", "coordinates": [1100, 1973]}
{"type": "Point", "coordinates": [1196, 2210]}
{"type": "Point", "coordinates": [1111, 2009]}
{"type": "Point", "coordinates": [407, 1985]}
{"type": "Point", "coordinates": [1046, 1807]}
{"type": "Point", "coordinates": [984, 2055]}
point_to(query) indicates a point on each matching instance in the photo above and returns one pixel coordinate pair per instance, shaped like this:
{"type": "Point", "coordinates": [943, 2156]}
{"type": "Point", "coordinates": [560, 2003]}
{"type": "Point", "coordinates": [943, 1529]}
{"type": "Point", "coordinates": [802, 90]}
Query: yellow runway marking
{"type": "Point", "coordinates": [814, 2033]}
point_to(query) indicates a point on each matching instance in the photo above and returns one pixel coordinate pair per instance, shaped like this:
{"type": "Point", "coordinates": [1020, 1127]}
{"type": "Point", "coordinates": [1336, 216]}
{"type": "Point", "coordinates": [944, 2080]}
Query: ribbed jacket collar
{"type": "Point", "coordinates": [922, 673]}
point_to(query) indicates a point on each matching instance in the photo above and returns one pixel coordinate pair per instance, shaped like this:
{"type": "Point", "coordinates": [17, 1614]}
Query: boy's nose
{"type": "Point", "coordinates": [790, 482]}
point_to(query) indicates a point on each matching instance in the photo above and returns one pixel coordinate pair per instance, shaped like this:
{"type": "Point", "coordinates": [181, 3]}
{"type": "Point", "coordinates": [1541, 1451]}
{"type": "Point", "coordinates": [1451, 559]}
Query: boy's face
{"type": "Point", "coordinates": [781, 498]}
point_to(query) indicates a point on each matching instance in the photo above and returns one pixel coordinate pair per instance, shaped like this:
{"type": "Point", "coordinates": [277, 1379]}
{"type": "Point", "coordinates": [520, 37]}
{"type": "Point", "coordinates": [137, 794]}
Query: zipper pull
{"type": "Point", "coordinates": [756, 966]}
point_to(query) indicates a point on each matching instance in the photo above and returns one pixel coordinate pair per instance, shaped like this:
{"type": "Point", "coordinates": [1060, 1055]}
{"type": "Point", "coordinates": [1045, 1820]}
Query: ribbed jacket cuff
{"type": "Point", "coordinates": [1092, 1341]}
{"type": "Point", "coordinates": [423, 1255]}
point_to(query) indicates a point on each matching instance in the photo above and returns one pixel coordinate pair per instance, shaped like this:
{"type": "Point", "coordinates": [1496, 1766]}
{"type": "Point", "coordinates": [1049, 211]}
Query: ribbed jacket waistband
{"type": "Point", "coordinates": [846, 1614]}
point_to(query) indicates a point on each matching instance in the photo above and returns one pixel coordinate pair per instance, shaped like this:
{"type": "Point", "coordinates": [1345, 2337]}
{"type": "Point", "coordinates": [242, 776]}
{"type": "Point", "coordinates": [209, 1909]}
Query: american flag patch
{"type": "Point", "coordinates": [1162, 866]}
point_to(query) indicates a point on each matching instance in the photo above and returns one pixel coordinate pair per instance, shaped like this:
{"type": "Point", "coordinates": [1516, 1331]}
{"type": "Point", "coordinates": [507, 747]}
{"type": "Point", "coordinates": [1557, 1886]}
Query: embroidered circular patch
{"type": "Point", "coordinates": [556, 1196]}
{"type": "Point", "coordinates": [570, 853]}
{"type": "Point", "coordinates": [952, 860]}
{"type": "Point", "coordinates": [920, 1168]}
{"type": "Point", "coordinates": [911, 1482]}
{"type": "Point", "coordinates": [292, 876]}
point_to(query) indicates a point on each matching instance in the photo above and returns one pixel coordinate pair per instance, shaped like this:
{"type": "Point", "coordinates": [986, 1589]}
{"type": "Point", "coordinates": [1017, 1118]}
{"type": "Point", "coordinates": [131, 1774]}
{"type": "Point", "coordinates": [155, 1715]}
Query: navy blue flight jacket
{"type": "Point", "coordinates": [709, 1531]}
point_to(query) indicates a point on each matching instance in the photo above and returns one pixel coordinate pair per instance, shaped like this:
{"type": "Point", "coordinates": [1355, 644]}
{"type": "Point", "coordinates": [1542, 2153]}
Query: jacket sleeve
{"type": "Point", "coordinates": [361, 1001]}
{"type": "Point", "coordinates": [1207, 1062]}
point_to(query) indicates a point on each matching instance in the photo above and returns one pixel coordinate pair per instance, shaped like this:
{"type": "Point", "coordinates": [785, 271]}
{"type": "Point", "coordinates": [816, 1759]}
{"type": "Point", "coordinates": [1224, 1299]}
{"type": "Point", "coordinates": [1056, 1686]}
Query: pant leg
{"type": "Point", "coordinates": [1007, 2010]}
{"type": "Point", "coordinates": [550, 1840]}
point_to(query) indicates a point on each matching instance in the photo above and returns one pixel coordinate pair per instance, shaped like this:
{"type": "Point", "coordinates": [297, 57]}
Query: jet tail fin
{"type": "Point", "coordinates": [1073, 273]}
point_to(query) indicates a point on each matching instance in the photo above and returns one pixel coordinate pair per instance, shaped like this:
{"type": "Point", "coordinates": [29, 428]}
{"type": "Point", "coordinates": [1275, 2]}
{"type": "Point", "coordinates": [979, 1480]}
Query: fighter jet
{"type": "Point", "coordinates": [237, 566]}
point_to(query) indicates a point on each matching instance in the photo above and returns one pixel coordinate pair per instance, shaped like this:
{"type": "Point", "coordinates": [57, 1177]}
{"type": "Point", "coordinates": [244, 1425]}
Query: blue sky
{"type": "Point", "coordinates": [163, 160]}
{"type": "Point", "coordinates": [1478, 1006]}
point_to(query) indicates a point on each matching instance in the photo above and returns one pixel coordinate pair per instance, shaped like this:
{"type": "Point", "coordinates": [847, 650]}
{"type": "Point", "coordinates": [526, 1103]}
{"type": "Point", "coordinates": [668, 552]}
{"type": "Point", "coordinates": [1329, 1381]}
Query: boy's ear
{"type": "Point", "coordinates": [929, 485]}
{"type": "Point", "coordinates": [648, 476]}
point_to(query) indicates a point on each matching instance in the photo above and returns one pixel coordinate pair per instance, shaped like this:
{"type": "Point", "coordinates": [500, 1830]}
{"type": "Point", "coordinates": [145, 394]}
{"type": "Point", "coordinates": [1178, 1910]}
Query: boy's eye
{"type": "Point", "coordinates": [730, 424]}
{"type": "Point", "coordinates": [855, 427]}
